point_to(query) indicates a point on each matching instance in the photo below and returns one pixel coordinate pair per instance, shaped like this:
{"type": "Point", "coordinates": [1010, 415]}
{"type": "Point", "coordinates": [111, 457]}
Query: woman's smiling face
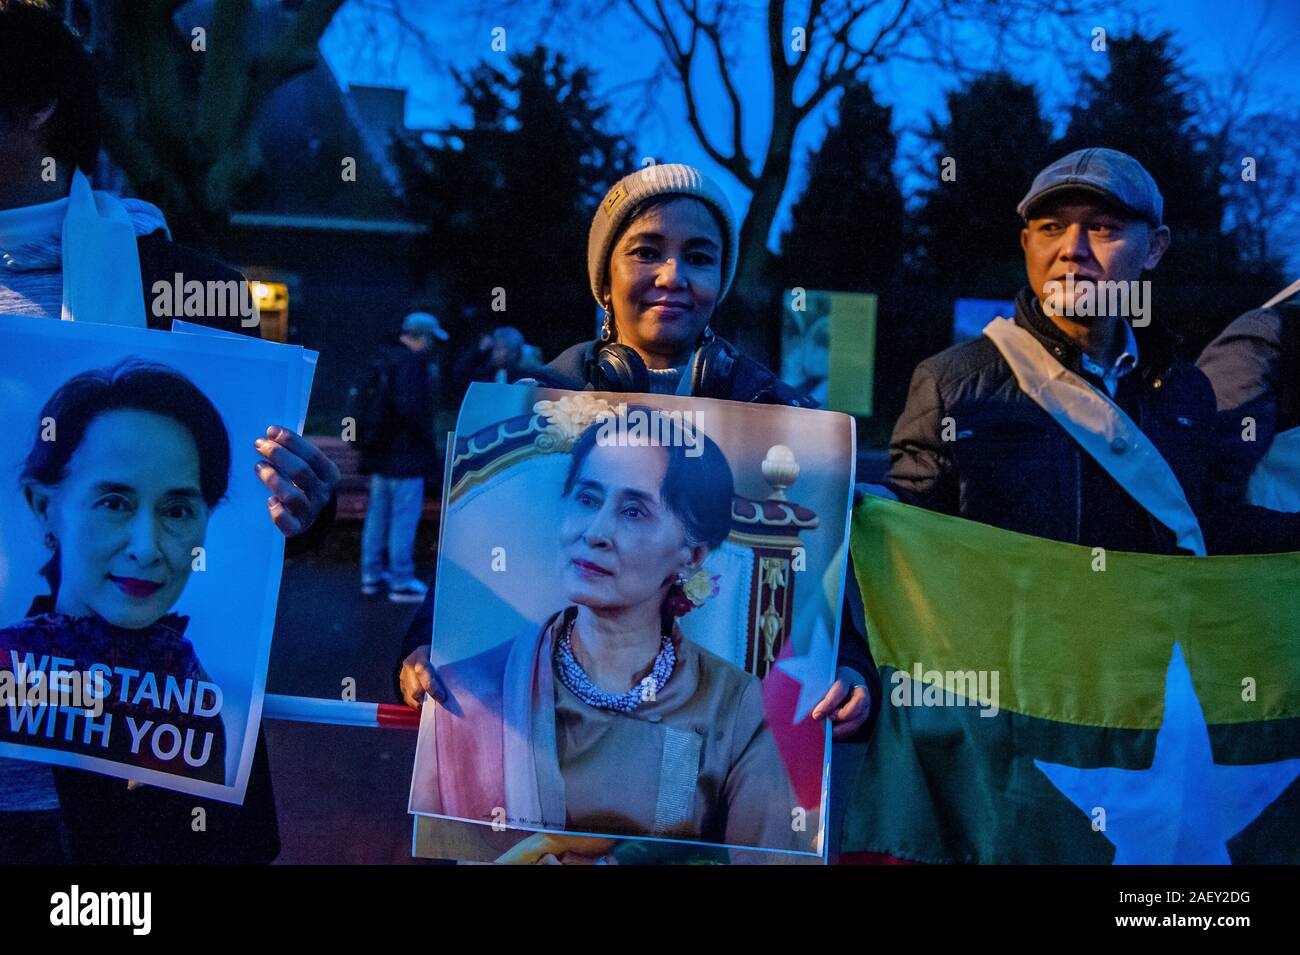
{"type": "Point", "coordinates": [665, 275]}
{"type": "Point", "coordinates": [127, 517]}
{"type": "Point", "coordinates": [620, 544]}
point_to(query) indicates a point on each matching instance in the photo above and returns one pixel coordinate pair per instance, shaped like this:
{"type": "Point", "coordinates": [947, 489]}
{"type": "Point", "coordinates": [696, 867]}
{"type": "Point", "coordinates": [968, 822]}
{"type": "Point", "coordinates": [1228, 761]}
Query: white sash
{"type": "Point", "coordinates": [1283, 295]}
{"type": "Point", "coordinates": [1101, 428]}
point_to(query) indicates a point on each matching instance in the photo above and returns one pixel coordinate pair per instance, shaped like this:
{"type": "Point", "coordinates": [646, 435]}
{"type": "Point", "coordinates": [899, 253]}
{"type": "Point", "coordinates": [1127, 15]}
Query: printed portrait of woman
{"type": "Point", "coordinates": [607, 719]}
{"type": "Point", "coordinates": [125, 469]}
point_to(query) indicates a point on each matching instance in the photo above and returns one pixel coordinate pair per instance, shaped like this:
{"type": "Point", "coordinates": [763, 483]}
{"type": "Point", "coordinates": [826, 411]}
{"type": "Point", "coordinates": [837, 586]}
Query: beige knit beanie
{"type": "Point", "coordinates": [633, 189]}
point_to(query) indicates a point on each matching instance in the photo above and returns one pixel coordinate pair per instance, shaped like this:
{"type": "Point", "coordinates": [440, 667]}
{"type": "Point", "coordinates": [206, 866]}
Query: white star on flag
{"type": "Point", "coordinates": [1186, 807]}
{"type": "Point", "coordinates": [814, 672]}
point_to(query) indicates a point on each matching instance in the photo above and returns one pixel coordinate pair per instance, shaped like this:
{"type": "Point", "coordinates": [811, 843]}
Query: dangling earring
{"type": "Point", "coordinates": [677, 603]}
{"type": "Point", "coordinates": [607, 327]}
{"type": "Point", "coordinates": [50, 541]}
{"type": "Point", "coordinates": [707, 335]}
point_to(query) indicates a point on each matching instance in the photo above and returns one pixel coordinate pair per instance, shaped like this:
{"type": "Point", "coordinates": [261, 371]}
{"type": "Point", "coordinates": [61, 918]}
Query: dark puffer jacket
{"type": "Point", "coordinates": [1254, 366]}
{"type": "Point", "coordinates": [735, 377]}
{"type": "Point", "coordinates": [1008, 463]}
{"type": "Point", "coordinates": [412, 398]}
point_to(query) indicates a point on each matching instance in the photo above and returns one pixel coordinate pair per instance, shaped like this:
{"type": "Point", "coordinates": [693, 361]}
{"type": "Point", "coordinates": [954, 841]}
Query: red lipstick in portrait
{"type": "Point", "coordinates": [135, 587]}
{"type": "Point", "coordinates": [589, 570]}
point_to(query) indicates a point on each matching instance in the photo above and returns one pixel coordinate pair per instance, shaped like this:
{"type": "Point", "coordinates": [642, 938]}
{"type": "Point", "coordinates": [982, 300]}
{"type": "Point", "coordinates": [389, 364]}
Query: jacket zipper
{"type": "Point", "coordinates": [1078, 473]}
{"type": "Point", "coordinates": [1141, 423]}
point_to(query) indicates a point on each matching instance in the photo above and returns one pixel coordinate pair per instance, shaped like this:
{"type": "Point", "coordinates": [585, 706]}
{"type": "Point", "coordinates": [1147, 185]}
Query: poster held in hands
{"type": "Point", "coordinates": [709, 535]}
{"type": "Point", "coordinates": [139, 570]}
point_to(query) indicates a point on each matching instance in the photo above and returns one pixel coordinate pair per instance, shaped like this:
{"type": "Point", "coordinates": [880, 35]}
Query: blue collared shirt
{"type": "Point", "coordinates": [1123, 364]}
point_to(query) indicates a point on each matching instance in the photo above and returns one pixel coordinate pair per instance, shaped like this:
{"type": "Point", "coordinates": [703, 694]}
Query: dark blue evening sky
{"type": "Point", "coordinates": [1216, 37]}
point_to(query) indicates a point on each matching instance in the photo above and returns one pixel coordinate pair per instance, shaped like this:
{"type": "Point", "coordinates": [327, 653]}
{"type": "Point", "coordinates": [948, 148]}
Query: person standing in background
{"type": "Point", "coordinates": [1254, 366]}
{"type": "Point", "coordinates": [498, 358]}
{"type": "Point", "coordinates": [400, 458]}
{"type": "Point", "coordinates": [57, 265]}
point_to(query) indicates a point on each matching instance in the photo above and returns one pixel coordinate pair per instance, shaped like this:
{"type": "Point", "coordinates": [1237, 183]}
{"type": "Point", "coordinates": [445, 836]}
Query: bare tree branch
{"type": "Point", "coordinates": [394, 11]}
{"type": "Point", "coordinates": [810, 28]}
{"type": "Point", "coordinates": [782, 76]}
{"type": "Point", "coordinates": [681, 59]}
{"type": "Point", "coordinates": [845, 69]}
{"type": "Point", "coordinates": [737, 138]}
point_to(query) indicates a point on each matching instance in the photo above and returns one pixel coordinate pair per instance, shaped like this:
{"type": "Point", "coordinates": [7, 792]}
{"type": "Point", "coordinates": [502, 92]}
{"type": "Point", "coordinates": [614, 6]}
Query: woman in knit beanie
{"type": "Point", "coordinates": [661, 256]}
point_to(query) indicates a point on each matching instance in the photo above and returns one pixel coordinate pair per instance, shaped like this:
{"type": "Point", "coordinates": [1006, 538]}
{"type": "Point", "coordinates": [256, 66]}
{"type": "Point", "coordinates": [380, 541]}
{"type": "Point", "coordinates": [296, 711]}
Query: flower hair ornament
{"type": "Point", "coordinates": [688, 593]}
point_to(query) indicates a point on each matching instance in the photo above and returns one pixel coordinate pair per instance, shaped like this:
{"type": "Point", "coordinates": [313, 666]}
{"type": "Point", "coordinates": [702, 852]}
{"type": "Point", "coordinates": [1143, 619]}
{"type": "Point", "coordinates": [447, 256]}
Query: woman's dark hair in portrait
{"type": "Point", "coordinates": [130, 385]}
{"type": "Point", "coordinates": [698, 490]}
{"type": "Point", "coordinates": [43, 62]}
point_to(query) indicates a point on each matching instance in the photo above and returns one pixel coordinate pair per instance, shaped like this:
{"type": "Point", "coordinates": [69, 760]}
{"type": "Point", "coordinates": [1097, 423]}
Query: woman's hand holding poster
{"type": "Point", "coordinates": [637, 607]}
{"type": "Point", "coordinates": [138, 567]}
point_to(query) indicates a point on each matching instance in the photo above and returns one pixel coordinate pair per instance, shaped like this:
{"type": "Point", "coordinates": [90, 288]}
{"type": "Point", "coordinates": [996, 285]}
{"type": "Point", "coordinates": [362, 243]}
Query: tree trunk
{"type": "Point", "coordinates": [185, 142]}
{"type": "Point", "coordinates": [755, 312]}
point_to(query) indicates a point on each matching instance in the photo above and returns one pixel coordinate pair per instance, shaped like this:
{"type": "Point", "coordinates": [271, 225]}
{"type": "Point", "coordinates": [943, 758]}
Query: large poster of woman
{"type": "Point", "coordinates": [138, 569]}
{"type": "Point", "coordinates": [637, 606]}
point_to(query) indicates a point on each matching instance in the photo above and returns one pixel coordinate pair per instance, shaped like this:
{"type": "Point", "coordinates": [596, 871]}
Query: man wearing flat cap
{"type": "Point", "coordinates": [1074, 419]}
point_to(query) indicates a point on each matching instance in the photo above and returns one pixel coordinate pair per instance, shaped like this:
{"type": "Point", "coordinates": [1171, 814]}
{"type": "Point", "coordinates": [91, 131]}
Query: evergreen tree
{"type": "Point", "coordinates": [510, 197]}
{"type": "Point", "coordinates": [967, 229]}
{"type": "Point", "coordinates": [1143, 106]}
{"type": "Point", "coordinates": [846, 230]}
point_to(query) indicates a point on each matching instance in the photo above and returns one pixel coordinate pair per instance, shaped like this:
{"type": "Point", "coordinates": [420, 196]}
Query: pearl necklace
{"type": "Point", "coordinates": [580, 685]}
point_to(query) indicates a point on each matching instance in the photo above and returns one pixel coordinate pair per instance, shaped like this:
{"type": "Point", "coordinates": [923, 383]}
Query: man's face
{"type": "Point", "coordinates": [418, 342]}
{"type": "Point", "coordinates": [1089, 240]}
{"type": "Point", "coordinates": [503, 355]}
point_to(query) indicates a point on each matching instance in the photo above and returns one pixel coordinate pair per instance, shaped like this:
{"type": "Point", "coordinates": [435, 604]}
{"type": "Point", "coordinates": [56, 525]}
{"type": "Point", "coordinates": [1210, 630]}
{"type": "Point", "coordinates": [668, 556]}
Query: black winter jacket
{"type": "Point", "coordinates": [412, 399]}
{"type": "Point", "coordinates": [740, 378]}
{"type": "Point", "coordinates": [1254, 366]}
{"type": "Point", "coordinates": [1009, 464]}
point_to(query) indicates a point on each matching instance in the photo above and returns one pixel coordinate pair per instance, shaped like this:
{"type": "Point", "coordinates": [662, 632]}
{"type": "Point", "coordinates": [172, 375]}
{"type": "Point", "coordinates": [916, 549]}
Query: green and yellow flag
{"type": "Point", "coordinates": [1050, 703]}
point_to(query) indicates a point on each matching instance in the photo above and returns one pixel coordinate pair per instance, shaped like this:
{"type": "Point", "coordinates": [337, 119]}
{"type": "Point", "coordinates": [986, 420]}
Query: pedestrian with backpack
{"type": "Point", "coordinates": [395, 405]}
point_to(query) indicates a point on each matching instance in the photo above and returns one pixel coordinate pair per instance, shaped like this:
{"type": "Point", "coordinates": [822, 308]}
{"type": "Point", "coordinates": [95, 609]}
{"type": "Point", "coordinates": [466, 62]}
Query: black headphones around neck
{"type": "Point", "coordinates": [613, 366]}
